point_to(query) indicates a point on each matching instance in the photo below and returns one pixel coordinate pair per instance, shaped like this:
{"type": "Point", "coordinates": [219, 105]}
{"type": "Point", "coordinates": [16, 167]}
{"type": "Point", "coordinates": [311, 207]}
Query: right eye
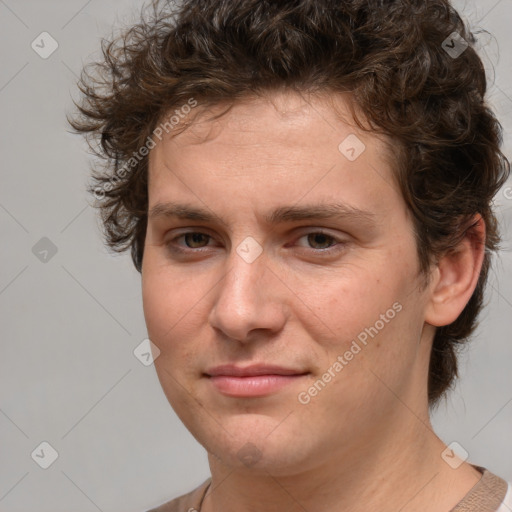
{"type": "Point", "coordinates": [193, 240]}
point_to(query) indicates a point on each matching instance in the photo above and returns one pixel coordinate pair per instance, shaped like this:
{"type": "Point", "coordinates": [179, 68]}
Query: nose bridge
{"type": "Point", "coordinates": [242, 284]}
{"type": "Point", "coordinates": [246, 265]}
{"type": "Point", "coordinates": [246, 299]}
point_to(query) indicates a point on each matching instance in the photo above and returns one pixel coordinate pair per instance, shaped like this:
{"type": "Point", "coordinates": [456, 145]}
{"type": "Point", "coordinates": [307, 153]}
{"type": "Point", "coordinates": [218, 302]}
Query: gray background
{"type": "Point", "coordinates": [70, 324]}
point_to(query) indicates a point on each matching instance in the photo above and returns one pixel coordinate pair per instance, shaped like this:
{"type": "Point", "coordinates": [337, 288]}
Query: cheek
{"type": "Point", "coordinates": [373, 316]}
{"type": "Point", "coordinates": [155, 304]}
{"type": "Point", "coordinates": [165, 300]}
{"type": "Point", "coordinates": [351, 300]}
{"type": "Point", "coordinates": [175, 311]}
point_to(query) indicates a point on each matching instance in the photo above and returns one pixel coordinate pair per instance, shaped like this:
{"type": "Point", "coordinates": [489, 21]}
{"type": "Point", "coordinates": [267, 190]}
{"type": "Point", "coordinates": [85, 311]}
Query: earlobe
{"type": "Point", "coordinates": [457, 274]}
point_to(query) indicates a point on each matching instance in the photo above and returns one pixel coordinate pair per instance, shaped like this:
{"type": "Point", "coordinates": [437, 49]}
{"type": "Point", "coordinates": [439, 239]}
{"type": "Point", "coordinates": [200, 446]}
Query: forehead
{"type": "Point", "coordinates": [268, 147]}
{"type": "Point", "coordinates": [275, 116]}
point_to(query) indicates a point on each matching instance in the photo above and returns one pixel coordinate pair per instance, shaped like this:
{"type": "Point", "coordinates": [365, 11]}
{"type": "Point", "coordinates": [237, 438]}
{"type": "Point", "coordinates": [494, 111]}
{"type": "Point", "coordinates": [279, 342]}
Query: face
{"type": "Point", "coordinates": [280, 283]}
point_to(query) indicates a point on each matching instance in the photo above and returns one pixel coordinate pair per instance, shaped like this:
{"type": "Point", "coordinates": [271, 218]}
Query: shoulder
{"type": "Point", "coordinates": [190, 502]}
{"type": "Point", "coordinates": [490, 494]}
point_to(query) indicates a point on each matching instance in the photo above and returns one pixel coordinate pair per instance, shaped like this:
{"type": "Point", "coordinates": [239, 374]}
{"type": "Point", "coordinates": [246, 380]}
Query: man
{"type": "Point", "coordinates": [306, 189]}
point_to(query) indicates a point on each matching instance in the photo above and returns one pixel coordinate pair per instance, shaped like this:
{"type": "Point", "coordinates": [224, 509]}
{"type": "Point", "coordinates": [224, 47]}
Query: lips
{"type": "Point", "coordinates": [252, 381]}
{"type": "Point", "coordinates": [252, 371]}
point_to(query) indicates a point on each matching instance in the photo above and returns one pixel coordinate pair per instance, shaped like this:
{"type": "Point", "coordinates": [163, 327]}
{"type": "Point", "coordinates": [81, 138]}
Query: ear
{"type": "Point", "coordinates": [456, 276]}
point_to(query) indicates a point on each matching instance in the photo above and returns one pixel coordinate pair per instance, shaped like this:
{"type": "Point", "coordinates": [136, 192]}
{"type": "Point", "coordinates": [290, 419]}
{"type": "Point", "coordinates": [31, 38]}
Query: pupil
{"type": "Point", "coordinates": [194, 238]}
{"type": "Point", "coordinates": [319, 239]}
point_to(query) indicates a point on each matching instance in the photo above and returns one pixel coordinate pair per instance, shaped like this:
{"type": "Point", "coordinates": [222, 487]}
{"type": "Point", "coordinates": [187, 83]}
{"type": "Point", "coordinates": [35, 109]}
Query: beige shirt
{"type": "Point", "coordinates": [487, 495]}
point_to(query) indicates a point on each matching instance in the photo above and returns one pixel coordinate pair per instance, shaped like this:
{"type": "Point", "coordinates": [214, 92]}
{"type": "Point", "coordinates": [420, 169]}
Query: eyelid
{"type": "Point", "coordinates": [338, 244]}
{"type": "Point", "coordinates": [322, 231]}
{"type": "Point", "coordinates": [171, 242]}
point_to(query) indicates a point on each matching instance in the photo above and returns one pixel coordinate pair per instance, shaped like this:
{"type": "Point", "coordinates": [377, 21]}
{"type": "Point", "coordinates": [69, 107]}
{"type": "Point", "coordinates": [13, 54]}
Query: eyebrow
{"type": "Point", "coordinates": [327, 211]}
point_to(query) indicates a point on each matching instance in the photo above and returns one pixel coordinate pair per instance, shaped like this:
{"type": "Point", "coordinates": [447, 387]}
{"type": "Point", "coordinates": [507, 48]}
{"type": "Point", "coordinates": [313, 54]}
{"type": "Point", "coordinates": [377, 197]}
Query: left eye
{"type": "Point", "coordinates": [319, 240]}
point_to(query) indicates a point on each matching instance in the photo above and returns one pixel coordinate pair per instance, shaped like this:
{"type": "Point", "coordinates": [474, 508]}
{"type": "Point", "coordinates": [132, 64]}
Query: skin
{"type": "Point", "coordinates": [365, 441]}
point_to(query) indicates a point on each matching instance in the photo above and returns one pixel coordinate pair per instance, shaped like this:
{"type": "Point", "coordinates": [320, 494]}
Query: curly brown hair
{"type": "Point", "coordinates": [391, 55]}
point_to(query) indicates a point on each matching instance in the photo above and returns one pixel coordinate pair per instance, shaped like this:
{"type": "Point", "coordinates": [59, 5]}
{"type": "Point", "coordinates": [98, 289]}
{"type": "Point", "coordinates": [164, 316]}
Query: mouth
{"type": "Point", "coordinates": [253, 381]}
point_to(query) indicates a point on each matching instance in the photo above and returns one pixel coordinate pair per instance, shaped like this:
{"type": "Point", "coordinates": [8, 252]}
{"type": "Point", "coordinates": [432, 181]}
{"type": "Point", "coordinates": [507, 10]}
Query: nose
{"type": "Point", "coordinates": [249, 301]}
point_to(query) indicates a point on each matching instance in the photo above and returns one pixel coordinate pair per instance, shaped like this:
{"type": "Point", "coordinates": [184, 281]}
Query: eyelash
{"type": "Point", "coordinates": [174, 248]}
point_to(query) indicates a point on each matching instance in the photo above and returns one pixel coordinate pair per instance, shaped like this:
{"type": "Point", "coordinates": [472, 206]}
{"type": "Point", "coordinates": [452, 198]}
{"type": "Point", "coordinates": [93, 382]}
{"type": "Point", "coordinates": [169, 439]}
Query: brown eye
{"type": "Point", "coordinates": [196, 240]}
{"type": "Point", "coordinates": [320, 240]}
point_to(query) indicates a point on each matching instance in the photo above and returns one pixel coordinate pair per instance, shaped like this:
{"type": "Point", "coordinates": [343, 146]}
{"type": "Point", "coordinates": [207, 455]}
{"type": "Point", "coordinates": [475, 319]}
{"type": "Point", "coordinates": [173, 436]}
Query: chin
{"type": "Point", "coordinates": [256, 444]}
